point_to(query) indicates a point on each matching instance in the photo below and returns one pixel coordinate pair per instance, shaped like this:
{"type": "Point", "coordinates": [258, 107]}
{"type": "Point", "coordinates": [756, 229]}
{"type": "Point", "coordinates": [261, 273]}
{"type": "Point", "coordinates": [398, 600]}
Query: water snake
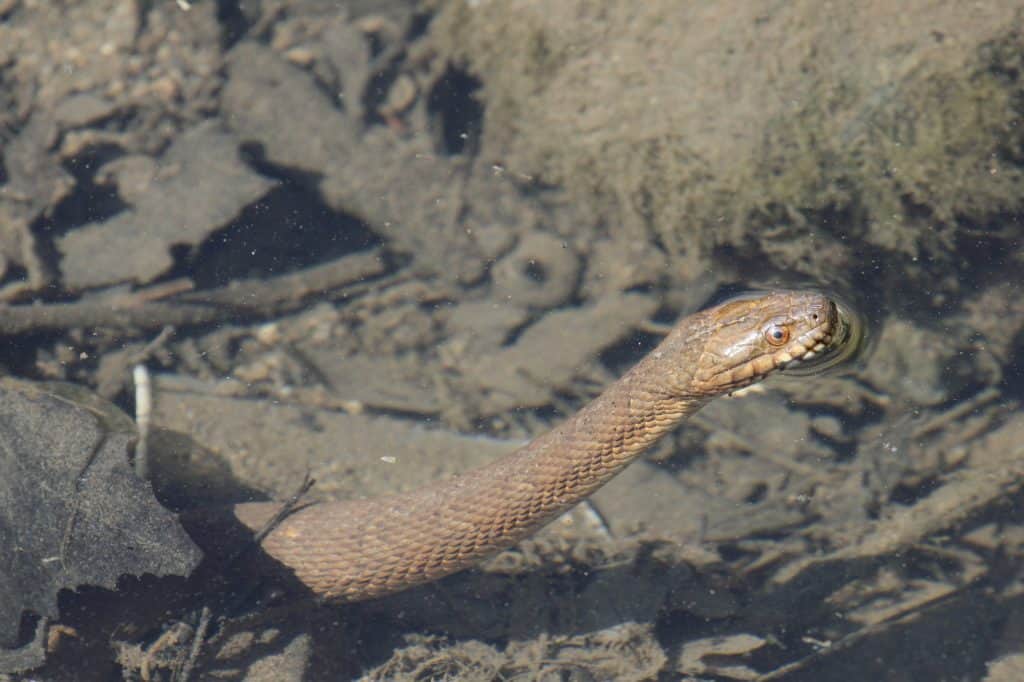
{"type": "Point", "coordinates": [360, 549]}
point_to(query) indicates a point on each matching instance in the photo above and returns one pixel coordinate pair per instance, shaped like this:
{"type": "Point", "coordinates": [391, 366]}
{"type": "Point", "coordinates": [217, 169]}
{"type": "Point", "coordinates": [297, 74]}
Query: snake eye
{"type": "Point", "coordinates": [776, 334]}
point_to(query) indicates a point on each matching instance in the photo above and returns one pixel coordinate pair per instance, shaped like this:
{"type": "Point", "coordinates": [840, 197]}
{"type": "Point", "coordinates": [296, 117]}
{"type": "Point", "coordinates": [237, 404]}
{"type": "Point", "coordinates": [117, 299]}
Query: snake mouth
{"type": "Point", "coordinates": [805, 352]}
{"type": "Point", "coordinates": [825, 347]}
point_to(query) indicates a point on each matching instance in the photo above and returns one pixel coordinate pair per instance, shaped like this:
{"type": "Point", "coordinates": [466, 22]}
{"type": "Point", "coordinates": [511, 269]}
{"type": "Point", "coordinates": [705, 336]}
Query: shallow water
{"type": "Point", "coordinates": [380, 244]}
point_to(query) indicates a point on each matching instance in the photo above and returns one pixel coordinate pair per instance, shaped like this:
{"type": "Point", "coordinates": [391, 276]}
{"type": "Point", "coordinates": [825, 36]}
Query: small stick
{"type": "Point", "coordinates": [143, 415]}
{"type": "Point", "coordinates": [252, 297]}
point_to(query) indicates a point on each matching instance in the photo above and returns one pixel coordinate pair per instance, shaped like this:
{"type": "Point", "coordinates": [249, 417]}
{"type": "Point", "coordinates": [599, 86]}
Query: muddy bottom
{"type": "Point", "coordinates": [359, 247]}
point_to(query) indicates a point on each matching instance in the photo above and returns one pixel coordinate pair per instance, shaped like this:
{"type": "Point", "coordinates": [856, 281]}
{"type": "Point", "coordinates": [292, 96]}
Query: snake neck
{"type": "Point", "coordinates": [583, 453]}
{"type": "Point", "coordinates": [360, 549]}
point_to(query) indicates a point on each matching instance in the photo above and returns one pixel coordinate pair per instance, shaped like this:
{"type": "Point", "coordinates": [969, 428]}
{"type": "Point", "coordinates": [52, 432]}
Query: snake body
{"type": "Point", "coordinates": [361, 549]}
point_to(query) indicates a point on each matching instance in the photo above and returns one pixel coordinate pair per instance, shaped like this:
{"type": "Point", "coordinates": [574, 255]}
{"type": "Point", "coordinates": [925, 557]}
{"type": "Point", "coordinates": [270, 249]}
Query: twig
{"type": "Point", "coordinates": [288, 507]}
{"type": "Point", "coordinates": [143, 418]}
{"type": "Point", "coordinates": [247, 297]}
{"type": "Point", "coordinates": [286, 510]}
{"type": "Point", "coordinates": [198, 638]}
{"type": "Point", "coordinates": [962, 409]}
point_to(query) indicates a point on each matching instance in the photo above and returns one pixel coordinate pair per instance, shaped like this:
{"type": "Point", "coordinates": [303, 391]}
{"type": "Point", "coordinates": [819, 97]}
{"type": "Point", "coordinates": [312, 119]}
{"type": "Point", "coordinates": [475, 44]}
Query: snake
{"type": "Point", "coordinates": [360, 549]}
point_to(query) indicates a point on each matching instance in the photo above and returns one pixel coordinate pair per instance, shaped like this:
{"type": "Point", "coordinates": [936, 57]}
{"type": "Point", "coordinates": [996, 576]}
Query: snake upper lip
{"type": "Point", "coordinates": [815, 342]}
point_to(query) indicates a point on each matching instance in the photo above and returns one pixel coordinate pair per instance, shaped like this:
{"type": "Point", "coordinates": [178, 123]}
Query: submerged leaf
{"type": "Point", "coordinates": [72, 510]}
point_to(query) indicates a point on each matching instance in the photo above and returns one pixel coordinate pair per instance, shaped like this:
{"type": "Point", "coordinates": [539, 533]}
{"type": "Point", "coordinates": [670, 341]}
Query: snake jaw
{"type": "Point", "coordinates": [820, 342]}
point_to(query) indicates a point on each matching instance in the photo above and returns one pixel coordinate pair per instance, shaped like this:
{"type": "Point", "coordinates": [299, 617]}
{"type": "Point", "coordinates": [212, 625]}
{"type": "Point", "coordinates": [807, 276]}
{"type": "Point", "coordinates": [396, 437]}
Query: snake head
{"type": "Point", "coordinates": [746, 339]}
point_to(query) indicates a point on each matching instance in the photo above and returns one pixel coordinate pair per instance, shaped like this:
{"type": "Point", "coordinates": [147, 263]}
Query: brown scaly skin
{"type": "Point", "coordinates": [361, 549]}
